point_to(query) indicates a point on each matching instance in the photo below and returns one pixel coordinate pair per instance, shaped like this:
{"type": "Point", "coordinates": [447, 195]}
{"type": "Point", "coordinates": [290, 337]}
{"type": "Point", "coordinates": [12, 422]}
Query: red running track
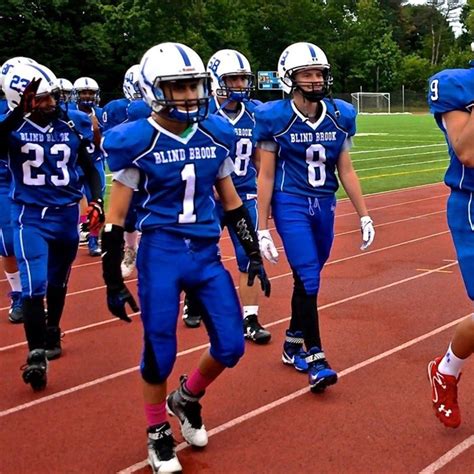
{"type": "Point", "coordinates": [384, 314]}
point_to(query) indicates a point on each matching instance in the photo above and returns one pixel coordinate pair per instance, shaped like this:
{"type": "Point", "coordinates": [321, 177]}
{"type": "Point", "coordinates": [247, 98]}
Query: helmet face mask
{"type": "Point", "coordinates": [168, 73]}
{"type": "Point", "coordinates": [86, 84]}
{"type": "Point", "coordinates": [314, 87]}
{"type": "Point", "coordinates": [169, 98]}
{"type": "Point", "coordinates": [230, 64]}
{"type": "Point", "coordinates": [300, 57]}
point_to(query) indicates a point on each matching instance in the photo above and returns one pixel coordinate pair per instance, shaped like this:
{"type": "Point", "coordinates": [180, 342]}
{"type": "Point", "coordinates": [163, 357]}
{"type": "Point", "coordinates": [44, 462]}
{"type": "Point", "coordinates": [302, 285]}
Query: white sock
{"type": "Point", "coordinates": [248, 310]}
{"type": "Point", "coordinates": [14, 280]}
{"type": "Point", "coordinates": [131, 239]}
{"type": "Point", "coordinates": [451, 364]}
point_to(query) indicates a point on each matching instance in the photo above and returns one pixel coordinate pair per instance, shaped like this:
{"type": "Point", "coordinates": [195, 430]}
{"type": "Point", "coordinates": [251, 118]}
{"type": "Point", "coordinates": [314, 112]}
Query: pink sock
{"type": "Point", "coordinates": [155, 413]}
{"type": "Point", "coordinates": [83, 219]}
{"type": "Point", "coordinates": [197, 382]}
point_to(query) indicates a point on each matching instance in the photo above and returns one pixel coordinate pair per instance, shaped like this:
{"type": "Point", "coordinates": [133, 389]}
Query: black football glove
{"type": "Point", "coordinates": [117, 293]}
{"type": "Point", "coordinates": [116, 301]}
{"type": "Point", "coordinates": [256, 269]}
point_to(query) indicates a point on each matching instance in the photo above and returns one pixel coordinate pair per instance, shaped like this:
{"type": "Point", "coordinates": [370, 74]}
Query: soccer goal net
{"type": "Point", "coordinates": [371, 102]}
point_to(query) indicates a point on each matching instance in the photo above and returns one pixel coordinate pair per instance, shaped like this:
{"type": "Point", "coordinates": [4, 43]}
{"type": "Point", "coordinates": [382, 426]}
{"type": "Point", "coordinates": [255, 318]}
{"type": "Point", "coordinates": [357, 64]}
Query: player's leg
{"type": "Point", "coordinates": [223, 320]}
{"type": "Point", "coordinates": [158, 281]}
{"type": "Point", "coordinates": [294, 219]}
{"type": "Point", "coordinates": [93, 237]}
{"type": "Point", "coordinates": [31, 250]}
{"type": "Point", "coordinates": [10, 267]}
{"type": "Point", "coordinates": [63, 241]}
{"type": "Point", "coordinates": [444, 372]}
{"type": "Point", "coordinates": [249, 295]}
{"type": "Point", "coordinates": [131, 240]}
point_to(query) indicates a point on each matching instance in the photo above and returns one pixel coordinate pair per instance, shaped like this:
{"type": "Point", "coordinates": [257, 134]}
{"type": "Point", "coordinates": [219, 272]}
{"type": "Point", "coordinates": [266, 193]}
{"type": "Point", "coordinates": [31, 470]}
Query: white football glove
{"type": "Point", "coordinates": [267, 247]}
{"type": "Point", "coordinates": [368, 232]}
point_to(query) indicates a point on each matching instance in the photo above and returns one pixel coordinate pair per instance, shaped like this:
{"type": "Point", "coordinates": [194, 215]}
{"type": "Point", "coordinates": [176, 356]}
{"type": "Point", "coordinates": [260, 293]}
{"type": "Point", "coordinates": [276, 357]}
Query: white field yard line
{"type": "Point", "coordinates": [449, 456]}
{"type": "Point", "coordinates": [288, 398]}
{"type": "Point", "coordinates": [115, 375]}
{"type": "Point", "coordinates": [380, 150]}
{"type": "Point", "coordinates": [379, 158]}
{"type": "Point", "coordinates": [276, 277]}
{"type": "Point", "coordinates": [418, 163]}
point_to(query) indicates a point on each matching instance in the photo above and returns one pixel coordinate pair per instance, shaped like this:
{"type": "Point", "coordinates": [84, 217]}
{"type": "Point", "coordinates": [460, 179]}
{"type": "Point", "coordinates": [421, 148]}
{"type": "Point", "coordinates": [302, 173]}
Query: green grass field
{"type": "Point", "coordinates": [398, 151]}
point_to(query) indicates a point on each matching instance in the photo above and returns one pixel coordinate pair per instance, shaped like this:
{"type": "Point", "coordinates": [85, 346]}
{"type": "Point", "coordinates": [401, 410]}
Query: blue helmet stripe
{"type": "Point", "coordinates": [241, 63]}
{"type": "Point", "coordinates": [312, 51]}
{"type": "Point", "coordinates": [185, 57]}
{"type": "Point", "coordinates": [41, 71]}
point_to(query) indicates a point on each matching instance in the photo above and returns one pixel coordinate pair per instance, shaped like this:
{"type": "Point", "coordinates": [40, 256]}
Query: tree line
{"type": "Point", "coordinates": [374, 44]}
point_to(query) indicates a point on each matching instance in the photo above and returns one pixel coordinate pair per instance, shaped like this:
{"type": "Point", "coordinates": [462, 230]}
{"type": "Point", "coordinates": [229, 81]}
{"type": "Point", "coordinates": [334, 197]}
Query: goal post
{"type": "Point", "coordinates": [371, 102]}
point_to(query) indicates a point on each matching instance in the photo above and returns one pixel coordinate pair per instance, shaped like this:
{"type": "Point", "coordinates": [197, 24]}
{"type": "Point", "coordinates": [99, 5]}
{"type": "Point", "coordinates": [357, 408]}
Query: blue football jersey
{"type": "Point", "coordinates": [5, 177]}
{"type": "Point", "coordinates": [177, 174]}
{"type": "Point", "coordinates": [138, 109]}
{"type": "Point", "coordinates": [245, 173]}
{"type": "Point", "coordinates": [453, 89]}
{"type": "Point", "coordinates": [43, 161]}
{"type": "Point", "coordinates": [307, 152]}
{"type": "Point", "coordinates": [115, 113]}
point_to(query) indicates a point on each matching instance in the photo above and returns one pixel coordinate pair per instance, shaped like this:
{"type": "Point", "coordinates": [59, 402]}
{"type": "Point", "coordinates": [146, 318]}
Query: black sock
{"type": "Point", "coordinates": [304, 315]}
{"type": "Point", "coordinates": [55, 299]}
{"type": "Point", "coordinates": [34, 321]}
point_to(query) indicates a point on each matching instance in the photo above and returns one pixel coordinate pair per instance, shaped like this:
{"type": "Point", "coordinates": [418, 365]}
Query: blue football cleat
{"type": "Point", "coordinates": [293, 353]}
{"type": "Point", "coordinates": [320, 374]}
{"type": "Point", "coordinates": [93, 245]}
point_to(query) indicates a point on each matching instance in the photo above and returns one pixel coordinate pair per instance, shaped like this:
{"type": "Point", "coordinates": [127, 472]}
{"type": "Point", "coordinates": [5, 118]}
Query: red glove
{"type": "Point", "coordinates": [95, 215]}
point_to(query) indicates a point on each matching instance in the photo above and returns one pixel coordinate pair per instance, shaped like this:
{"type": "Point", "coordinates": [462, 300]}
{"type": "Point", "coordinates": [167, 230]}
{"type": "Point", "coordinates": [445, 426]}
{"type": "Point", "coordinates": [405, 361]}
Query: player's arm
{"type": "Point", "coordinates": [237, 216]}
{"type": "Point", "coordinates": [351, 184]}
{"type": "Point", "coordinates": [266, 179]}
{"type": "Point", "coordinates": [112, 243]}
{"type": "Point", "coordinates": [460, 128]}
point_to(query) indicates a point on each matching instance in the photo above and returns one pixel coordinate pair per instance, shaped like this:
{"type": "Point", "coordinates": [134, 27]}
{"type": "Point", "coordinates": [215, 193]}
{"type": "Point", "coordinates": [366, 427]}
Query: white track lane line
{"type": "Point", "coordinates": [283, 275]}
{"type": "Point", "coordinates": [38, 401]}
{"type": "Point", "coordinates": [281, 401]}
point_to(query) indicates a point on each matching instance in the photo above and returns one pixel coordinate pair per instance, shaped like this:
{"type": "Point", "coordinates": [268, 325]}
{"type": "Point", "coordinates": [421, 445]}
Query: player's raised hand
{"type": "Point", "coordinates": [267, 247]}
{"type": "Point", "coordinates": [368, 232]}
{"type": "Point", "coordinates": [28, 98]}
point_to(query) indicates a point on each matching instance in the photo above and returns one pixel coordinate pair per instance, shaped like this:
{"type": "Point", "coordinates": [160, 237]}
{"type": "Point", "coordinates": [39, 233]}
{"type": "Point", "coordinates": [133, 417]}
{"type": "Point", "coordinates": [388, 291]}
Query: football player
{"type": "Point", "coordinates": [10, 267]}
{"type": "Point", "coordinates": [175, 158]}
{"type": "Point", "coordinates": [87, 97]}
{"type": "Point", "coordinates": [45, 149]}
{"type": "Point", "coordinates": [114, 113]}
{"type": "Point", "coordinates": [232, 83]}
{"type": "Point", "coordinates": [301, 142]}
{"type": "Point", "coordinates": [451, 98]}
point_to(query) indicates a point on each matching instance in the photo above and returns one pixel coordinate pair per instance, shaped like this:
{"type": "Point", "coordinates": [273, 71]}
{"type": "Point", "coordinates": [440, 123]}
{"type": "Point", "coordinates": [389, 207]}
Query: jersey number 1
{"type": "Point", "coordinates": [188, 175]}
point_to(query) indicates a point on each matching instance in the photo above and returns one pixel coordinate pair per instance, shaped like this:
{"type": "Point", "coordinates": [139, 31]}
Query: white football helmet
{"type": "Point", "coordinates": [131, 89]}
{"type": "Point", "coordinates": [225, 63]}
{"type": "Point", "coordinates": [10, 63]}
{"type": "Point", "coordinates": [167, 62]}
{"type": "Point", "coordinates": [21, 75]}
{"type": "Point", "coordinates": [300, 56]}
{"type": "Point", "coordinates": [86, 84]}
{"type": "Point", "coordinates": [65, 89]}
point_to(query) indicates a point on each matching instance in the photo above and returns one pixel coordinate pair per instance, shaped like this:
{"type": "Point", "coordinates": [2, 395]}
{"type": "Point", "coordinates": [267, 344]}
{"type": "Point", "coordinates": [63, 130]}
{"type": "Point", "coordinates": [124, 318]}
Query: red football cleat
{"type": "Point", "coordinates": [444, 395]}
